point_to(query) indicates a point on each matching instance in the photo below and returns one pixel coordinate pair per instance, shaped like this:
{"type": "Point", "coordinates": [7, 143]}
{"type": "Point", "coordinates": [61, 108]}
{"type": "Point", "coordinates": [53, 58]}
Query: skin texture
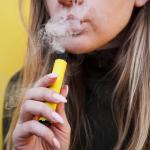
{"type": "Point", "coordinates": [107, 20]}
{"type": "Point", "coordinates": [102, 23]}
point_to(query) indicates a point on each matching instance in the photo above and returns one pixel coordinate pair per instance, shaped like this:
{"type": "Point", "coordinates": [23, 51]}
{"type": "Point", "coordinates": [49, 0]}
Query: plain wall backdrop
{"type": "Point", "coordinates": [13, 41]}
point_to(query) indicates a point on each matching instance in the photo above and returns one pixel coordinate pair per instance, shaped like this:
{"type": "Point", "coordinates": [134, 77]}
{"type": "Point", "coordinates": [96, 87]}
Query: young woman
{"type": "Point", "coordinates": [107, 87]}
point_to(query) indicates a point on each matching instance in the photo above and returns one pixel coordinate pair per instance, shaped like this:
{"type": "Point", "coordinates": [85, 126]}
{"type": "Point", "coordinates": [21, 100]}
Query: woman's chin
{"type": "Point", "coordinates": [77, 45]}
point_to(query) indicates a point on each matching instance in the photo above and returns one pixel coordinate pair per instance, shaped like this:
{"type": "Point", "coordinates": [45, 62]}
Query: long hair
{"type": "Point", "coordinates": [131, 96]}
{"type": "Point", "coordinates": [131, 104]}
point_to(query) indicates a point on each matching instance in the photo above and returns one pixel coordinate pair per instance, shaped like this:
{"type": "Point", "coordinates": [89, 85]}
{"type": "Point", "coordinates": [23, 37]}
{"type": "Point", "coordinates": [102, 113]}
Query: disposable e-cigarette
{"type": "Point", "coordinates": [59, 68]}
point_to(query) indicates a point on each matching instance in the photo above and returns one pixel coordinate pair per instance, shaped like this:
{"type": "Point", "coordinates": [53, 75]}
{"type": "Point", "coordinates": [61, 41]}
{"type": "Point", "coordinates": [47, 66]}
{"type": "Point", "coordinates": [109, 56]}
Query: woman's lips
{"type": "Point", "coordinates": [76, 25]}
{"type": "Point", "coordinates": [75, 29]}
{"type": "Point", "coordinates": [82, 19]}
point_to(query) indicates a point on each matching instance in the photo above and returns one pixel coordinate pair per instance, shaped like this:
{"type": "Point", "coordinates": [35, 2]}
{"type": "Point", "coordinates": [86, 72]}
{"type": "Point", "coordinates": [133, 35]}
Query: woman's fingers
{"type": "Point", "coordinates": [32, 108]}
{"type": "Point", "coordinates": [44, 94]}
{"type": "Point", "coordinates": [46, 81]}
{"type": "Point", "coordinates": [33, 127]}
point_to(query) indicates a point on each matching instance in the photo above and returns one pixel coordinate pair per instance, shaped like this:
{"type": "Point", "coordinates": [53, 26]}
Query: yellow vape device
{"type": "Point", "coordinates": [59, 68]}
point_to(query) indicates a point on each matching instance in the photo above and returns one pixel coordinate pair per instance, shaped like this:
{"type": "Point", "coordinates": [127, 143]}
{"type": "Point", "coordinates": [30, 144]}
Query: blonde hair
{"type": "Point", "coordinates": [131, 96]}
{"type": "Point", "coordinates": [131, 104]}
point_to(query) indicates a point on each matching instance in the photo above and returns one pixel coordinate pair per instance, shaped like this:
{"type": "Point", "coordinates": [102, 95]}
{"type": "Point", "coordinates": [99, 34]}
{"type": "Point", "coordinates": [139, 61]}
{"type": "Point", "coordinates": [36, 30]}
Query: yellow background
{"type": "Point", "coordinates": [12, 45]}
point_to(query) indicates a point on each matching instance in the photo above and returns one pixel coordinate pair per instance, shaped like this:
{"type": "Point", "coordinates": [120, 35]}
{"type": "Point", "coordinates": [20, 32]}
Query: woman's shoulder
{"type": "Point", "coordinates": [10, 99]}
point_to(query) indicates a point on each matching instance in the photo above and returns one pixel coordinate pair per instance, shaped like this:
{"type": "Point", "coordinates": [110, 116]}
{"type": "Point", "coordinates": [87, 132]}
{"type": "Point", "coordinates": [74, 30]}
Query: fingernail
{"type": "Point", "coordinates": [52, 75]}
{"type": "Point", "coordinates": [57, 118]}
{"type": "Point", "coordinates": [59, 98]}
{"type": "Point", "coordinates": [56, 143]}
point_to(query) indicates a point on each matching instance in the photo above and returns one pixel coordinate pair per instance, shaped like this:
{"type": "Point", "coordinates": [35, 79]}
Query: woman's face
{"type": "Point", "coordinates": [103, 21]}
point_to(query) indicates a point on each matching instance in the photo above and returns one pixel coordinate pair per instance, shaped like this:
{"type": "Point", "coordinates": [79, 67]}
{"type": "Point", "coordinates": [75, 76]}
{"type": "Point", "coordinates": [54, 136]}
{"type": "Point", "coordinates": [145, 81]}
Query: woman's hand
{"type": "Point", "coordinates": [29, 133]}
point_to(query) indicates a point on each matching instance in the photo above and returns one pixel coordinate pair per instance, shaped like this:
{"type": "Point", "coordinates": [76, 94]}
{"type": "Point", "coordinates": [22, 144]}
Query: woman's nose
{"type": "Point", "coordinates": [69, 3]}
{"type": "Point", "coordinates": [66, 2]}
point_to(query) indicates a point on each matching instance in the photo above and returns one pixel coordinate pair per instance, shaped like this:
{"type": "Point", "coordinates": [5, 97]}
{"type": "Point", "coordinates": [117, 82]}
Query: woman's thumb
{"type": "Point", "coordinates": [64, 90]}
{"type": "Point", "coordinates": [61, 107]}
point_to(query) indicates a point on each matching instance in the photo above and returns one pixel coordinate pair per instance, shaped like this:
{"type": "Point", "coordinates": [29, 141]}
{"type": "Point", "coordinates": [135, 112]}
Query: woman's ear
{"type": "Point", "coordinates": [140, 3]}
